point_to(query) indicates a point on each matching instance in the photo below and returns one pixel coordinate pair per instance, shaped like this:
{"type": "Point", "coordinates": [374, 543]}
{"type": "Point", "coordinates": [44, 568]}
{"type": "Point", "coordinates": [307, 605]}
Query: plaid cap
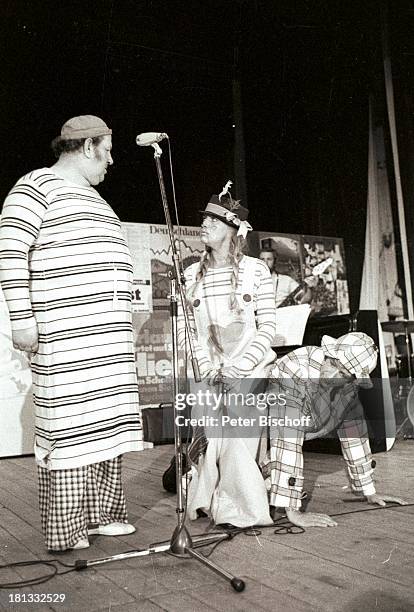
{"type": "Point", "coordinates": [356, 351]}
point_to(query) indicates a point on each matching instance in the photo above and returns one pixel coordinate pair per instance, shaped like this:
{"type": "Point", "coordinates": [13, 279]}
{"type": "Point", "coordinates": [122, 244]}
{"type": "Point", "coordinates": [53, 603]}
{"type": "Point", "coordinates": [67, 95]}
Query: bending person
{"type": "Point", "coordinates": [320, 387]}
{"type": "Point", "coordinates": [232, 317]}
{"type": "Point", "coordinates": [66, 273]}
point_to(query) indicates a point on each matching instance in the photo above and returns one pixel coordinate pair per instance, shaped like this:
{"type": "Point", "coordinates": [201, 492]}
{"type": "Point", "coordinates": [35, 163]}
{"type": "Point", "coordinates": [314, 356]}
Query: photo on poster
{"type": "Point", "coordinates": [283, 255]}
{"type": "Point", "coordinates": [305, 270]}
{"type": "Point", "coordinates": [330, 294]}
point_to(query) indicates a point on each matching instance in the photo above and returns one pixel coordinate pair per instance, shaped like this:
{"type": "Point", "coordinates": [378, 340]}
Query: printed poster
{"type": "Point", "coordinates": [152, 260]}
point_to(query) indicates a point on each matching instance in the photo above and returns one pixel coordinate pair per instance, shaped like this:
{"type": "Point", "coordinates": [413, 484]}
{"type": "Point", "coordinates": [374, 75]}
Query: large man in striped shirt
{"type": "Point", "coordinates": [66, 274]}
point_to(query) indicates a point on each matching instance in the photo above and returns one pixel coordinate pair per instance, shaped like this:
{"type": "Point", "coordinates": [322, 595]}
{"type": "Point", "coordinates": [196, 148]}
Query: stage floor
{"type": "Point", "coordinates": [366, 563]}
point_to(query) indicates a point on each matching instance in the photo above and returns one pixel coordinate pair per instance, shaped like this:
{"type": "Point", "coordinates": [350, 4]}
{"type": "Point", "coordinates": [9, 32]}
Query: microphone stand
{"type": "Point", "coordinates": [181, 544]}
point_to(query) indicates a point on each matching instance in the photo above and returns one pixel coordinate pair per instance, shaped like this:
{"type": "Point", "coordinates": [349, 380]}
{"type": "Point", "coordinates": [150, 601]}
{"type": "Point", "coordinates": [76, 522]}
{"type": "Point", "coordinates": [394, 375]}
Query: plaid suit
{"type": "Point", "coordinates": [296, 376]}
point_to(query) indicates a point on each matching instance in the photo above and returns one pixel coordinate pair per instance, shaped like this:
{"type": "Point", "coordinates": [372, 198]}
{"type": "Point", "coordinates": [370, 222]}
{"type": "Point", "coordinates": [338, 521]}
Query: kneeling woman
{"type": "Point", "coordinates": [233, 322]}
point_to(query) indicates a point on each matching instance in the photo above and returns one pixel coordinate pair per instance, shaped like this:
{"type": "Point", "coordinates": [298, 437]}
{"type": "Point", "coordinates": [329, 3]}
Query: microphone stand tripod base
{"type": "Point", "coordinates": [182, 546]}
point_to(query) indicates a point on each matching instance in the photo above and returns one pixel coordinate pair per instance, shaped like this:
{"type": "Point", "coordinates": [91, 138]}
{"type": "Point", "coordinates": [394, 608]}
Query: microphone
{"type": "Point", "coordinates": [149, 138]}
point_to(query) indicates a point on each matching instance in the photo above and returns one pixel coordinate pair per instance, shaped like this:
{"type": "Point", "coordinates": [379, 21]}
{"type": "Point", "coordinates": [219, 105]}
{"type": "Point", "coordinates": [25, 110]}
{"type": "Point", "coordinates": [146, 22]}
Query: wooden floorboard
{"type": "Point", "coordinates": [366, 563]}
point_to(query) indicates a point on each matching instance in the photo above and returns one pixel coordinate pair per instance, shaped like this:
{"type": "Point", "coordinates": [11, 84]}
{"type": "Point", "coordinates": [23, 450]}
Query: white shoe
{"type": "Point", "coordinates": [112, 529]}
{"type": "Point", "coordinates": [84, 543]}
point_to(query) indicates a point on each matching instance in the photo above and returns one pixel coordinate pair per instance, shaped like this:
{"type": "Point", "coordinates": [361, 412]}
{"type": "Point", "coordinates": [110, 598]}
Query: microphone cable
{"type": "Point", "coordinates": [281, 523]}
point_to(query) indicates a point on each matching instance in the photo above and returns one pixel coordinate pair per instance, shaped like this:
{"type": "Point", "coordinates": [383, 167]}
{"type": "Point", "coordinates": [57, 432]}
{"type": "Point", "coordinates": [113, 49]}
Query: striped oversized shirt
{"type": "Point", "coordinates": [65, 267]}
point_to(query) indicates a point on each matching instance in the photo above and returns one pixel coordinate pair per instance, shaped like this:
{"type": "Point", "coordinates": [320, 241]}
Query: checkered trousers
{"type": "Point", "coordinates": [70, 500]}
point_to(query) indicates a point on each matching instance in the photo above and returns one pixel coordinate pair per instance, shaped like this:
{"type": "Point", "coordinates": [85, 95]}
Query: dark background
{"type": "Point", "coordinates": [305, 68]}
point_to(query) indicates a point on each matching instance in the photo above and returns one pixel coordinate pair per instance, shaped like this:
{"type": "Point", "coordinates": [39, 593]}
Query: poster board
{"type": "Point", "coordinates": [150, 304]}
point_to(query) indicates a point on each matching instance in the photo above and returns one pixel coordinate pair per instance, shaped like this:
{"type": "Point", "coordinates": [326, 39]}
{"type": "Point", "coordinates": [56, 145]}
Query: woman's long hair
{"type": "Point", "coordinates": [236, 251]}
